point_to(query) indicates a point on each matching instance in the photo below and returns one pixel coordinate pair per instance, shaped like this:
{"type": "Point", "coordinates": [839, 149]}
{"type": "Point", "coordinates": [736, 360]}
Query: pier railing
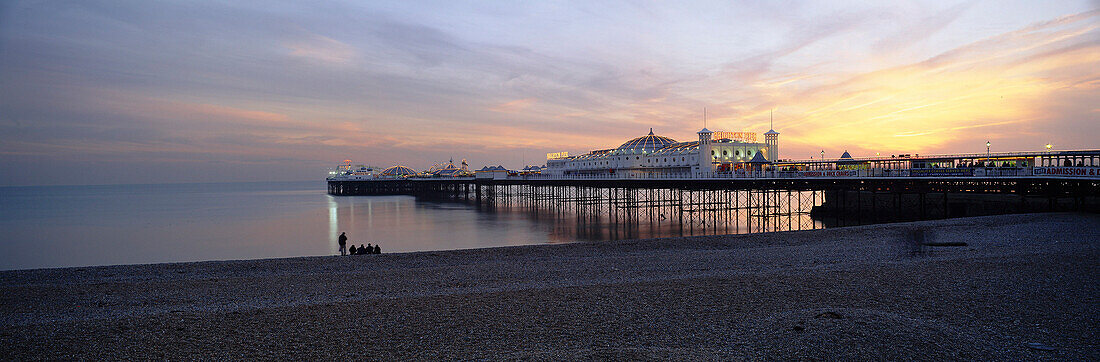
{"type": "Point", "coordinates": [979, 172]}
{"type": "Point", "coordinates": [1075, 172]}
{"type": "Point", "coordinates": [1071, 172]}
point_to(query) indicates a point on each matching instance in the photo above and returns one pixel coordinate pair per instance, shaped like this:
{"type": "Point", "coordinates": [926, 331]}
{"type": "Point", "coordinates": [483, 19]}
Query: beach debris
{"type": "Point", "coordinates": [1039, 346]}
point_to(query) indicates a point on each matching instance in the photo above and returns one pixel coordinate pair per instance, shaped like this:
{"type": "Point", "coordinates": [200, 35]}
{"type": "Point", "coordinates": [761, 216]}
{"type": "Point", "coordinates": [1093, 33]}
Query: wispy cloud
{"type": "Point", "coordinates": [322, 49]}
{"type": "Point", "coordinates": [216, 113]}
{"type": "Point", "coordinates": [513, 106]}
{"type": "Point", "coordinates": [919, 29]}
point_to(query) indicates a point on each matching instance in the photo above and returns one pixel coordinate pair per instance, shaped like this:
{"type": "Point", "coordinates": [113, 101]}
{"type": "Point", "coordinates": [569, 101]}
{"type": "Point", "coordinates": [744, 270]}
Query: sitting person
{"type": "Point", "coordinates": [352, 251]}
{"type": "Point", "coordinates": [370, 250]}
{"type": "Point", "coordinates": [362, 250]}
{"type": "Point", "coordinates": [377, 250]}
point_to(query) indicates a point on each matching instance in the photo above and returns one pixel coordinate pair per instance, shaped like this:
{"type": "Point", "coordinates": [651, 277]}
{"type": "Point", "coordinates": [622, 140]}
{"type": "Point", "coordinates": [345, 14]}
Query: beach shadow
{"type": "Point", "coordinates": [915, 241]}
{"type": "Point", "coordinates": [920, 242]}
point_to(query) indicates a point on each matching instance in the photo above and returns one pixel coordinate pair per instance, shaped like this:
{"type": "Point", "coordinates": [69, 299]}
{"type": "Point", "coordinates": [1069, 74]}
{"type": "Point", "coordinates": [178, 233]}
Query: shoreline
{"type": "Point", "coordinates": [310, 257]}
{"type": "Point", "coordinates": [537, 245]}
{"type": "Point", "coordinates": [811, 287]}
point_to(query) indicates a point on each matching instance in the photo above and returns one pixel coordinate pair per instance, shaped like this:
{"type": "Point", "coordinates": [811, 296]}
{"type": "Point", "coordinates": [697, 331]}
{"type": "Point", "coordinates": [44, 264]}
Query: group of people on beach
{"type": "Point", "coordinates": [361, 250]}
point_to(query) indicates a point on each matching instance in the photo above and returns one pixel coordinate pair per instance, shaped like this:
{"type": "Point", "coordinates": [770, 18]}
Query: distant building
{"type": "Point", "coordinates": [492, 172]}
{"type": "Point", "coordinates": [532, 170]}
{"type": "Point", "coordinates": [450, 170]}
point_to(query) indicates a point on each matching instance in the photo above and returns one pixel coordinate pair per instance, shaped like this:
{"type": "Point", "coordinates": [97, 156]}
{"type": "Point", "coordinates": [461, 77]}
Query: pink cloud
{"type": "Point", "coordinates": [212, 111]}
{"type": "Point", "coordinates": [322, 49]}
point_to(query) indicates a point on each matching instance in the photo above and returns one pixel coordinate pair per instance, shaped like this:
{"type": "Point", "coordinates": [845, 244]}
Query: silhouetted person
{"type": "Point", "coordinates": [344, 244]}
{"type": "Point", "coordinates": [353, 250]}
{"type": "Point", "coordinates": [363, 250]}
{"type": "Point", "coordinates": [377, 250]}
{"type": "Point", "coordinates": [370, 249]}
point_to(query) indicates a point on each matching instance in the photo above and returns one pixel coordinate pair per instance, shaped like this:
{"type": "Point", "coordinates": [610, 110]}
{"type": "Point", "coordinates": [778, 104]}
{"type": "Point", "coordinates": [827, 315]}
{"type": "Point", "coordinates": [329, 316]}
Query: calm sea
{"type": "Point", "coordinates": [63, 226]}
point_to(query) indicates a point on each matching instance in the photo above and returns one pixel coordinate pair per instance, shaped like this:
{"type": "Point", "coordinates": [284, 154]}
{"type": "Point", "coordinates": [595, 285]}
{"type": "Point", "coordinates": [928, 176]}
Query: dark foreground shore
{"type": "Point", "coordinates": [1023, 287]}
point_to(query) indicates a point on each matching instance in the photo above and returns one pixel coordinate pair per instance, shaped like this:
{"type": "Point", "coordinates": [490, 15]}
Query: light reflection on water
{"type": "Point", "coordinates": [59, 226]}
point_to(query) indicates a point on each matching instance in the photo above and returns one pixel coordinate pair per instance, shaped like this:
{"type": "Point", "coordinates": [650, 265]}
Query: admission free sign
{"type": "Point", "coordinates": [1068, 171]}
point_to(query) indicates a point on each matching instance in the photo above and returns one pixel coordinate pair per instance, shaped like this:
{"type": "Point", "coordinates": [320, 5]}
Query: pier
{"type": "Point", "coordinates": [946, 196]}
{"type": "Point", "coordinates": [779, 196]}
{"type": "Point", "coordinates": [771, 198]}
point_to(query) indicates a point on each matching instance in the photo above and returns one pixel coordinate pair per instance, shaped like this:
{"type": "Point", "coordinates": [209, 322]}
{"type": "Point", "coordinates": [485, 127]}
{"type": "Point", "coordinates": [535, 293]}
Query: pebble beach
{"type": "Point", "coordinates": [1010, 287]}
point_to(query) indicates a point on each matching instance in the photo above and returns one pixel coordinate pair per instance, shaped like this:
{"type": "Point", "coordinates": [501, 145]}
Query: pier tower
{"type": "Point", "coordinates": [706, 154]}
{"type": "Point", "coordinates": [771, 138]}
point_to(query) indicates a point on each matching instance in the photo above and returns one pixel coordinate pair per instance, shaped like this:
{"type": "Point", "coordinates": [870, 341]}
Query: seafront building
{"type": "Point", "coordinates": [659, 156]}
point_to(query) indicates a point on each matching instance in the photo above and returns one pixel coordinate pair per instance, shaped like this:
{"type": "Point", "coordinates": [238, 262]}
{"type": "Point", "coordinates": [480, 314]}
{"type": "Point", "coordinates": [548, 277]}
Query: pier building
{"type": "Point", "coordinates": [449, 170]}
{"type": "Point", "coordinates": [653, 155]}
{"type": "Point", "coordinates": [398, 172]}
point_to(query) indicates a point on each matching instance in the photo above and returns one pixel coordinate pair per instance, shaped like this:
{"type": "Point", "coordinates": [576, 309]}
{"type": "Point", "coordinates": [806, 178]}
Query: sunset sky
{"type": "Point", "coordinates": [142, 91]}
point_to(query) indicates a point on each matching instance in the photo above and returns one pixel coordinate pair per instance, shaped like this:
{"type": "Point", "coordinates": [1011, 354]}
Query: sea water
{"type": "Point", "coordinates": [65, 226]}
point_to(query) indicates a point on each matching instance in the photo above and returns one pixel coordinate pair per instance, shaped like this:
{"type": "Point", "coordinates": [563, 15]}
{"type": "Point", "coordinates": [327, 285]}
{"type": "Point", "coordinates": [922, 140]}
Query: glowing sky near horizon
{"type": "Point", "coordinates": [140, 91]}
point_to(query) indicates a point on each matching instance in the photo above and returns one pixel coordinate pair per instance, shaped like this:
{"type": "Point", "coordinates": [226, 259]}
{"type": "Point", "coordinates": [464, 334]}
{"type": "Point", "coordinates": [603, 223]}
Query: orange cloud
{"type": "Point", "coordinates": [996, 88]}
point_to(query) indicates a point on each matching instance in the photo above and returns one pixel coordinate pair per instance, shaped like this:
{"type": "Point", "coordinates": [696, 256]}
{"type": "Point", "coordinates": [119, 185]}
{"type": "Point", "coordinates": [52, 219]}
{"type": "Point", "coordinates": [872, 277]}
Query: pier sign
{"type": "Point", "coordinates": [854, 166]}
{"type": "Point", "coordinates": [830, 173]}
{"type": "Point", "coordinates": [557, 155]}
{"type": "Point", "coordinates": [1092, 172]}
{"type": "Point", "coordinates": [736, 136]}
{"type": "Point", "coordinates": [926, 172]}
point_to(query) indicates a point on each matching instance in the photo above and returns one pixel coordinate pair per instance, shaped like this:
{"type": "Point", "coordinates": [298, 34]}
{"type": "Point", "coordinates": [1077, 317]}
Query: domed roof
{"type": "Point", "coordinates": [442, 167]}
{"type": "Point", "coordinates": [398, 171]}
{"type": "Point", "coordinates": [678, 148]}
{"type": "Point", "coordinates": [647, 143]}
